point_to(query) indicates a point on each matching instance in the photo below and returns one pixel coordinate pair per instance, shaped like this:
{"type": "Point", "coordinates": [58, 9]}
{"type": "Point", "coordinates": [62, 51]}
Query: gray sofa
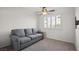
{"type": "Point", "coordinates": [21, 38]}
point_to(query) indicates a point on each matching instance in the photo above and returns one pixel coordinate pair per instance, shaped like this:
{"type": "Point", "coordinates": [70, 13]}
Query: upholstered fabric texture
{"type": "Point", "coordinates": [22, 38]}
{"type": "Point", "coordinates": [18, 32]}
{"type": "Point", "coordinates": [28, 31]}
{"type": "Point", "coordinates": [35, 31]}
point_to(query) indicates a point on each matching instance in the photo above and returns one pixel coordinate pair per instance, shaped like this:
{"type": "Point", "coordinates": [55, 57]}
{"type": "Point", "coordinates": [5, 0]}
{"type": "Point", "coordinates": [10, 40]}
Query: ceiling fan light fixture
{"type": "Point", "coordinates": [44, 11]}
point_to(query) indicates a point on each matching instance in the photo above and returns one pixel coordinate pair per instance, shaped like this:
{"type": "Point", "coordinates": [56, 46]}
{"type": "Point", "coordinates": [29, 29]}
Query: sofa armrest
{"type": "Point", "coordinates": [15, 42]}
{"type": "Point", "coordinates": [13, 37]}
{"type": "Point", "coordinates": [41, 33]}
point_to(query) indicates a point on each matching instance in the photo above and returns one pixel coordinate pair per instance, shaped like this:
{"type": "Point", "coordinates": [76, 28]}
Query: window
{"type": "Point", "coordinates": [45, 22]}
{"type": "Point", "coordinates": [48, 21]}
{"type": "Point", "coordinates": [52, 21]}
{"type": "Point", "coordinates": [58, 20]}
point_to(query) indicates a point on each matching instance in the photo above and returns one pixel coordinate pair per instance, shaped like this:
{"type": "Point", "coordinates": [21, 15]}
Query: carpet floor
{"type": "Point", "coordinates": [51, 45]}
{"type": "Point", "coordinates": [46, 45]}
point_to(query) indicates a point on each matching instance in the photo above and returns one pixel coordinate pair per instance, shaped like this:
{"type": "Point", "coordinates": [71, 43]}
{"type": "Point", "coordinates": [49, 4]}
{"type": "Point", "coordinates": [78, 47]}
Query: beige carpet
{"type": "Point", "coordinates": [50, 45]}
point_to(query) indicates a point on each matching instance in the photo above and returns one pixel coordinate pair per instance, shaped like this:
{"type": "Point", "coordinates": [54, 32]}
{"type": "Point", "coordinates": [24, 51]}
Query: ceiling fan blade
{"type": "Point", "coordinates": [51, 10]}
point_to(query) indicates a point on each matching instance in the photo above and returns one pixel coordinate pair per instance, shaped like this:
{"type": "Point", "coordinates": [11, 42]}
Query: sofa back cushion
{"type": "Point", "coordinates": [35, 31]}
{"type": "Point", "coordinates": [18, 32]}
{"type": "Point", "coordinates": [28, 32]}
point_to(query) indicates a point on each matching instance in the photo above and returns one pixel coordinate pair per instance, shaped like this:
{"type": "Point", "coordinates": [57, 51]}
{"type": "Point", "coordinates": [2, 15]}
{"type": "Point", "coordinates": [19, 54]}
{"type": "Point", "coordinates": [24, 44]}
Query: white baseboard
{"type": "Point", "coordinates": [61, 40]}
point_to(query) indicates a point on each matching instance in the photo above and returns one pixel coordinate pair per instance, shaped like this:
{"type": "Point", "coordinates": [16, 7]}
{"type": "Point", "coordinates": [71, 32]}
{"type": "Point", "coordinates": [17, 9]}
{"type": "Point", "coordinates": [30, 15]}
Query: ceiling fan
{"type": "Point", "coordinates": [45, 11]}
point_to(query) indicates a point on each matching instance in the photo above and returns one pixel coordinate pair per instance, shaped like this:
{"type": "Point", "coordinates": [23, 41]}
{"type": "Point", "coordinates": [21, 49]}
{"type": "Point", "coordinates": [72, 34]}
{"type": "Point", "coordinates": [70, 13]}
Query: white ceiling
{"type": "Point", "coordinates": [33, 9]}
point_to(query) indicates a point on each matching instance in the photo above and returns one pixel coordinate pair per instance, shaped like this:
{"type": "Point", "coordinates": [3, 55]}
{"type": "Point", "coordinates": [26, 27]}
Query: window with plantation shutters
{"type": "Point", "coordinates": [52, 21]}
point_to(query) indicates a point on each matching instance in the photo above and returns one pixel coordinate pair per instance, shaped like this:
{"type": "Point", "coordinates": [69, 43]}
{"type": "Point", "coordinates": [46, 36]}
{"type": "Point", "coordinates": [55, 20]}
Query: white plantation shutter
{"type": "Point", "coordinates": [49, 22]}
{"type": "Point", "coordinates": [58, 20]}
{"type": "Point", "coordinates": [45, 21]}
{"type": "Point", "coordinates": [52, 21]}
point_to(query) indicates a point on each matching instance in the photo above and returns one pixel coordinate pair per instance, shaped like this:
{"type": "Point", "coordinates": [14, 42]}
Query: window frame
{"type": "Point", "coordinates": [51, 26]}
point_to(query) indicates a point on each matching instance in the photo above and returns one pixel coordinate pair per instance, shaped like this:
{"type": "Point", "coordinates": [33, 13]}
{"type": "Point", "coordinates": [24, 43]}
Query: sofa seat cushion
{"type": "Point", "coordinates": [32, 36]}
{"type": "Point", "coordinates": [35, 36]}
{"type": "Point", "coordinates": [39, 35]}
{"type": "Point", "coordinates": [24, 39]}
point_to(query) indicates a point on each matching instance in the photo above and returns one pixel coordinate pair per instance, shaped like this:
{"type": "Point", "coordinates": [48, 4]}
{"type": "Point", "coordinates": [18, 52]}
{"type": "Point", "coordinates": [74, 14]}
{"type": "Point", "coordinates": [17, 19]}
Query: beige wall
{"type": "Point", "coordinates": [13, 18]}
{"type": "Point", "coordinates": [67, 30]}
